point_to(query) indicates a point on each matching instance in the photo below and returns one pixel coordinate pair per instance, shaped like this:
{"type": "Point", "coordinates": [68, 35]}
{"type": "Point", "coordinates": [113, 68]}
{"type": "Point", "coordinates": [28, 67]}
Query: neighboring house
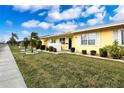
{"type": "Point", "coordinates": [87, 39]}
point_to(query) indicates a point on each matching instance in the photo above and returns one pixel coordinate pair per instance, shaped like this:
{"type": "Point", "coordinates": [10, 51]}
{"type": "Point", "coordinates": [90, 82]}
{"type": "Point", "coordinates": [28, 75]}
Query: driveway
{"type": "Point", "coordinates": [10, 76]}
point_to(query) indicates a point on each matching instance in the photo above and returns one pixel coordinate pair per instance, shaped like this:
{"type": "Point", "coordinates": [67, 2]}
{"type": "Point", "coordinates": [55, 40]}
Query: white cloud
{"type": "Point", "coordinates": [65, 26]}
{"type": "Point", "coordinates": [90, 10]}
{"type": "Point", "coordinates": [8, 22]}
{"type": "Point", "coordinates": [25, 32]}
{"type": "Point", "coordinates": [92, 21]}
{"type": "Point", "coordinates": [41, 14]}
{"type": "Point", "coordinates": [36, 24]}
{"type": "Point", "coordinates": [119, 16]}
{"type": "Point", "coordinates": [99, 17]}
{"type": "Point", "coordinates": [55, 8]}
{"type": "Point", "coordinates": [32, 8]}
{"type": "Point", "coordinates": [72, 13]}
{"type": "Point", "coordinates": [54, 16]}
{"type": "Point", "coordinates": [81, 24]}
{"type": "Point", "coordinates": [44, 25]}
{"type": "Point", "coordinates": [94, 9]}
{"type": "Point", "coordinates": [84, 14]}
{"type": "Point", "coordinates": [98, 12]}
{"type": "Point", "coordinates": [31, 24]}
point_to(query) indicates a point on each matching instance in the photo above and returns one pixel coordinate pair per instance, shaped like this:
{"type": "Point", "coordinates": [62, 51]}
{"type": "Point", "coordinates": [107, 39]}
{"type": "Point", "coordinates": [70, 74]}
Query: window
{"type": "Point", "coordinates": [53, 41]}
{"type": "Point", "coordinates": [91, 39]}
{"type": "Point", "coordinates": [122, 37]}
{"type": "Point", "coordinates": [88, 39]}
{"type": "Point", "coordinates": [84, 39]}
{"type": "Point", "coordinates": [62, 40]}
{"type": "Point", "coordinates": [119, 36]}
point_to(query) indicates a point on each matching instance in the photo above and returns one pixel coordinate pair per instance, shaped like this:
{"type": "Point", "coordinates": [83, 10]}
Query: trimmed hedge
{"type": "Point", "coordinates": [72, 49]}
{"type": "Point", "coordinates": [54, 50]}
{"type": "Point", "coordinates": [42, 47]}
{"type": "Point", "coordinates": [84, 51]}
{"type": "Point", "coordinates": [51, 48]}
{"type": "Point", "coordinates": [103, 52]}
{"type": "Point", "coordinates": [47, 49]}
{"type": "Point", "coordinates": [93, 52]}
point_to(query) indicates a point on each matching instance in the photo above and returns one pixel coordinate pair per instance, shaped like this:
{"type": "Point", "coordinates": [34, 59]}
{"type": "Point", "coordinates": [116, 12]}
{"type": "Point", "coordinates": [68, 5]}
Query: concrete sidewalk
{"type": "Point", "coordinates": [10, 76]}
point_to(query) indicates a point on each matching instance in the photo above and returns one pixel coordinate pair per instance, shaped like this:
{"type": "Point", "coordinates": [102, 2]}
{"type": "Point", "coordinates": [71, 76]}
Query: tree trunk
{"type": "Point", "coordinates": [25, 49]}
{"type": "Point", "coordinates": [32, 49]}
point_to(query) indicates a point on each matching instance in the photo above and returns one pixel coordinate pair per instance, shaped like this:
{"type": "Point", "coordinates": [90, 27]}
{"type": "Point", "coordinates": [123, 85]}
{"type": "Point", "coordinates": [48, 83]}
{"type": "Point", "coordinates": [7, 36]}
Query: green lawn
{"type": "Point", "coordinates": [48, 70]}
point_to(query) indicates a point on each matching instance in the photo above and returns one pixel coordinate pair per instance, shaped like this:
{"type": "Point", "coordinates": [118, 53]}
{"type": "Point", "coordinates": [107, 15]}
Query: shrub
{"type": "Point", "coordinates": [72, 49]}
{"type": "Point", "coordinates": [38, 45]}
{"type": "Point", "coordinates": [42, 47]}
{"type": "Point", "coordinates": [84, 51]}
{"type": "Point", "coordinates": [51, 48]}
{"type": "Point", "coordinates": [47, 49]}
{"type": "Point", "coordinates": [115, 51]}
{"type": "Point", "coordinates": [103, 52]}
{"type": "Point", "coordinates": [93, 52]}
{"type": "Point", "coordinates": [54, 50]}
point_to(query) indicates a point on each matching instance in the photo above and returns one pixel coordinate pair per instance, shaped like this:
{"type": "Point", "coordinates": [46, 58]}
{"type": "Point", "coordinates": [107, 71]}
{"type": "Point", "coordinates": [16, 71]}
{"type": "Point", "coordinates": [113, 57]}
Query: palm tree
{"type": "Point", "coordinates": [25, 43]}
{"type": "Point", "coordinates": [33, 39]}
{"type": "Point", "coordinates": [13, 38]}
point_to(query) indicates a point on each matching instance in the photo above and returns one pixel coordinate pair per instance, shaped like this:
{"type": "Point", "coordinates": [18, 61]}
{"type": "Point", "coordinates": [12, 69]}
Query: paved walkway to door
{"type": "Point", "coordinates": [10, 76]}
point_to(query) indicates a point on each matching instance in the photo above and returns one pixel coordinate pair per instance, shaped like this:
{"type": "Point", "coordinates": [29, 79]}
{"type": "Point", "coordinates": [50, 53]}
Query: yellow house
{"type": "Point", "coordinates": [88, 39]}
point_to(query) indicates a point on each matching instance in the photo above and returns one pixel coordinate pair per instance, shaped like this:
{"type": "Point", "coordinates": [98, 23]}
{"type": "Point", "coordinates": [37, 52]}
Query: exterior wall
{"type": "Point", "coordinates": [63, 47]}
{"type": "Point", "coordinates": [105, 38]}
{"type": "Point", "coordinates": [44, 41]}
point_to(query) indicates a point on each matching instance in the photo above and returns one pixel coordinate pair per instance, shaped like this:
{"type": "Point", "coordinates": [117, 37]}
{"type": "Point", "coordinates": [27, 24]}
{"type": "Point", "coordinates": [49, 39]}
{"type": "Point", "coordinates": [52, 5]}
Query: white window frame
{"type": "Point", "coordinates": [121, 36]}
{"type": "Point", "coordinates": [87, 38]}
{"type": "Point", "coordinates": [91, 37]}
{"type": "Point", "coordinates": [62, 40]}
{"type": "Point", "coordinates": [53, 41]}
{"type": "Point", "coordinates": [118, 35]}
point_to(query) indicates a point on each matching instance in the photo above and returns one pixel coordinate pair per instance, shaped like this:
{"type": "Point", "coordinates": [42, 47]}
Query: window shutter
{"type": "Point", "coordinates": [79, 39]}
{"type": "Point", "coordinates": [97, 38]}
{"type": "Point", "coordinates": [115, 35]}
{"type": "Point", "coordinates": [119, 37]}
{"type": "Point", "coordinates": [50, 41]}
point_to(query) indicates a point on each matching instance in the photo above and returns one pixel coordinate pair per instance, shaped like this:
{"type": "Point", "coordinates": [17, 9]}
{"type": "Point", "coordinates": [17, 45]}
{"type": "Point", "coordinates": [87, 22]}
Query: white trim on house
{"type": "Point", "coordinates": [98, 39]}
{"type": "Point", "coordinates": [88, 35]}
{"type": "Point", "coordinates": [52, 40]}
{"type": "Point", "coordinates": [117, 36]}
{"type": "Point", "coordinates": [79, 39]}
{"type": "Point", "coordinates": [62, 40]}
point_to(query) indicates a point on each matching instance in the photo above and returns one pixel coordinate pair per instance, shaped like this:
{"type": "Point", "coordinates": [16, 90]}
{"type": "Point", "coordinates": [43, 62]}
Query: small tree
{"type": "Point", "coordinates": [13, 39]}
{"type": "Point", "coordinates": [26, 43]}
{"type": "Point", "coordinates": [33, 39]}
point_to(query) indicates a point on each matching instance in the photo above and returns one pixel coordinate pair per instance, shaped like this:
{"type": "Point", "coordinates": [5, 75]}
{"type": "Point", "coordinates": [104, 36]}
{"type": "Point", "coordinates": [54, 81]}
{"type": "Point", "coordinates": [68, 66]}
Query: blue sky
{"type": "Point", "coordinates": [46, 20]}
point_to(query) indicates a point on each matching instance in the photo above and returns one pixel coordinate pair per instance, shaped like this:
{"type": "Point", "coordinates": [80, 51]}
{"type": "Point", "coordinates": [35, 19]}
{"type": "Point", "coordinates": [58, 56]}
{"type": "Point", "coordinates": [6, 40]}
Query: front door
{"type": "Point", "coordinates": [70, 43]}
